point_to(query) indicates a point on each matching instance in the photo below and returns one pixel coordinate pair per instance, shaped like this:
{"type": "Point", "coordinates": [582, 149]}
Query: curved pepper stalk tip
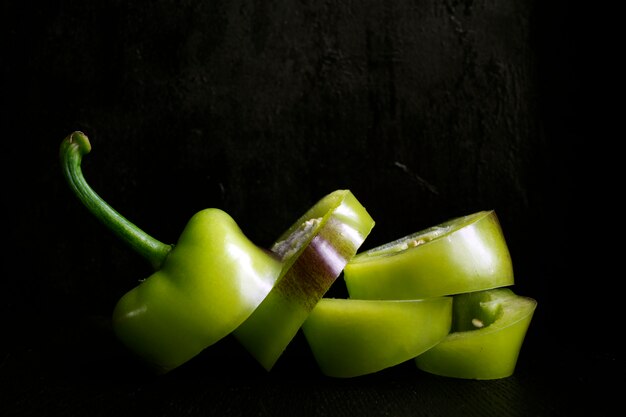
{"type": "Point", "coordinates": [78, 139]}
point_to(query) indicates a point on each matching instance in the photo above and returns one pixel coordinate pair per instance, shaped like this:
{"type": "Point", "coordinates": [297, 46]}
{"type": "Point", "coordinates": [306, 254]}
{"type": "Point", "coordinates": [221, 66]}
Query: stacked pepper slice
{"type": "Point", "coordinates": [460, 255]}
{"type": "Point", "coordinates": [327, 236]}
{"type": "Point", "coordinates": [411, 298]}
{"type": "Point", "coordinates": [351, 337]}
{"type": "Point", "coordinates": [464, 260]}
{"type": "Point", "coordinates": [488, 329]}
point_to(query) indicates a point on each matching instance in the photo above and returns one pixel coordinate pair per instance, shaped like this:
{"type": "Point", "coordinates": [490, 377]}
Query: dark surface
{"type": "Point", "coordinates": [426, 110]}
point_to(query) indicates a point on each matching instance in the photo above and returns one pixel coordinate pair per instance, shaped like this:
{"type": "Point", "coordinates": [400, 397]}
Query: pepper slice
{"type": "Point", "coordinates": [202, 289]}
{"type": "Point", "coordinates": [488, 329]}
{"type": "Point", "coordinates": [461, 255]}
{"type": "Point", "coordinates": [324, 238]}
{"type": "Point", "coordinates": [356, 337]}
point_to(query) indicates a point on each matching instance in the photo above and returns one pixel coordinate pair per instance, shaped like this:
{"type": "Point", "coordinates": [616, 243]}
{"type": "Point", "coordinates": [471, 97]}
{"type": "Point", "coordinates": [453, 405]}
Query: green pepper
{"type": "Point", "coordinates": [488, 329]}
{"type": "Point", "coordinates": [203, 287]}
{"type": "Point", "coordinates": [351, 337]}
{"type": "Point", "coordinates": [460, 255]}
{"type": "Point", "coordinates": [330, 233]}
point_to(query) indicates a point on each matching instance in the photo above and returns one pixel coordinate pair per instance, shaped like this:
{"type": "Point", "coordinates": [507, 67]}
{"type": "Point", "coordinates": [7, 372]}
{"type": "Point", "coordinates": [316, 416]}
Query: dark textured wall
{"type": "Point", "coordinates": [425, 109]}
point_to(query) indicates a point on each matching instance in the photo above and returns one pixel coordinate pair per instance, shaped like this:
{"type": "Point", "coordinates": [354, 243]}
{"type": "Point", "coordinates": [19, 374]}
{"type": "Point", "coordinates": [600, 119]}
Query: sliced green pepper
{"type": "Point", "coordinates": [330, 233]}
{"type": "Point", "coordinates": [356, 337]}
{"type": "Point", "coordinates": [215, 281]}
{"type": "Point", "coordinates": [488, 329]}
{"type": "Point", "coordinates": [461, 255]}
{"type": "Point", "coordinates": [203, 287]}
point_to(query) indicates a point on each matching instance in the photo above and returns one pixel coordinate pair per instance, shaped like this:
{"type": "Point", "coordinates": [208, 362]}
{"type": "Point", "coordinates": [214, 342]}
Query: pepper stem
{"type": "Point", "coordinates": [72, 150]}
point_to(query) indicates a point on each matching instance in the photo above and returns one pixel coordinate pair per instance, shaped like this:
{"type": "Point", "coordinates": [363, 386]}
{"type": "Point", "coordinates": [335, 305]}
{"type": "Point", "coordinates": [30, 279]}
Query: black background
{"type": "Point", "coordinates": [426, 110]}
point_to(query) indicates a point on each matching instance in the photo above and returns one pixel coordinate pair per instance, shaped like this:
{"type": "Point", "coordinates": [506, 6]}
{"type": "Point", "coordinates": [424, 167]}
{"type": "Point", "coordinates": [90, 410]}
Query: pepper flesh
{"type": "Point", "coordinates": [202, 289]}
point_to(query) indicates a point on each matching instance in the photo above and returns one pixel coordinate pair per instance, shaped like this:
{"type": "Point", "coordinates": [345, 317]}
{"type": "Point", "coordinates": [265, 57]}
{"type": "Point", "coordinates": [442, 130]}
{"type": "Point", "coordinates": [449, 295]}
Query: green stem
{"type": "Point", "coordinates": [72, 150]}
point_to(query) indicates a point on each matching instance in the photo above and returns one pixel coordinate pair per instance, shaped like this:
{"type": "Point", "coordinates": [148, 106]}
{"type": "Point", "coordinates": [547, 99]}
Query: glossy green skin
{"type": "Point", "coordinates": [203, 287]}
{"type": "Point", "coordinates": [462, 255]}
{"type": "Point", "coordinates": [356, 337]}
{"type": "Point", "coordinates": [488, 352]}
{"type": "Point", "coordinates": [312, 264]}
{"type": "Point", "coordinates": [209, 284]}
